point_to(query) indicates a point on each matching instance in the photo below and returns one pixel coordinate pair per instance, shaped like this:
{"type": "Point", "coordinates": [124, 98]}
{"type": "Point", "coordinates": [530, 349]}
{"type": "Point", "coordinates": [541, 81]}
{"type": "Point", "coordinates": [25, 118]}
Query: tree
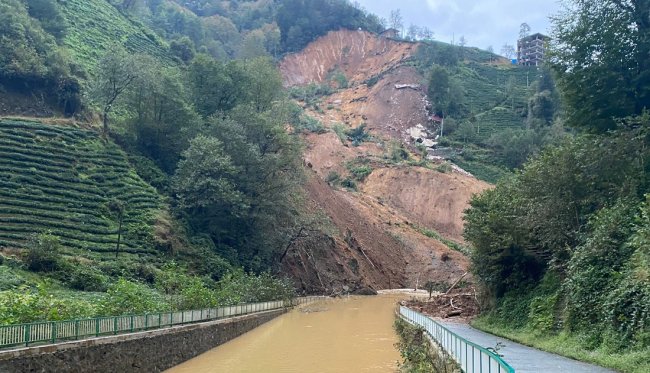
{"type": "Point", "coordinates": [508, 51]}
{"type": "Point", "coordinates": [599, 52]}
{"type": "Point", "coordinates": [413, 32]}
{"type": "Point", "coordinates": [444, 92]}
{"type": "Point", "coordinates": [204, 178]}
{"type": "Point", "coordinates": [524, 30]}
{"type": "Point", "coordinates": [396, 20]}
{"type": "Point", "coordinates": [183, 48]}
{"type": "Point", "coordinates": [253, 45]}
{"type": "Point", "coordinates": [426, 33]}
{"type": "Point", "coordinates": [116, 72]}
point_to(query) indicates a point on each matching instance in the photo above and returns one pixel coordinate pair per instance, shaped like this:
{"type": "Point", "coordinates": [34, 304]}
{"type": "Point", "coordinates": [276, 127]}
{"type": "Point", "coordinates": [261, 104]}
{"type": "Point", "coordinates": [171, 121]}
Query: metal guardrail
{"type": "Point", "coordinates": [470, 356]}
{"type": "Point", "coordinates": [78, 329]}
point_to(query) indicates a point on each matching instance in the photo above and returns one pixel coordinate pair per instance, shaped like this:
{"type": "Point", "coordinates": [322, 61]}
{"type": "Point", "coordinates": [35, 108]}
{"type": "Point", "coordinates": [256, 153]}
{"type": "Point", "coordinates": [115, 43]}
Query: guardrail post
{"type": "Point", "coordinates": [131, 323]}
{"type": "Point", "coordinates": [96, 327]}
{"type": "Point", "coordinates": [146, 321]}
{"type": "Point", "coordinates": [27, 334]}
{"type": "Point", "coordinates": [114, 325]}
{"type": "Point", "coordinates": [76, 329]}
{"type": "Point", "coordinates": [53, 325]}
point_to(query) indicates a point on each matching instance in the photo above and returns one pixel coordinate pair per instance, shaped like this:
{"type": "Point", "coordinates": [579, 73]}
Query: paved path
{"type": "Point", "coordinates": [522, 358]}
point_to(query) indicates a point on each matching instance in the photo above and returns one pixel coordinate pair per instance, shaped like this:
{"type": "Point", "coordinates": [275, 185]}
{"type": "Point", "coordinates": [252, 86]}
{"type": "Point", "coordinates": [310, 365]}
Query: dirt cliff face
{"type": "Point", "coordinates": [376, 239]}
{"type": "Point", "coordinates": [360, 55]}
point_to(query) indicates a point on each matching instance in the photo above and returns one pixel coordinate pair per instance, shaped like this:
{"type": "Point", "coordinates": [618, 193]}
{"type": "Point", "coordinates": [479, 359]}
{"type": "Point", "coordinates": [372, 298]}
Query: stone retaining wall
{"type": "Point", "coordinates": [150, 351]}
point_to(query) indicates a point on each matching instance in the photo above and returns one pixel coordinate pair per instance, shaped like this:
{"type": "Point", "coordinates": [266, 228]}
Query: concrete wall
{"type": "Point", "coordinates": [151, 351]}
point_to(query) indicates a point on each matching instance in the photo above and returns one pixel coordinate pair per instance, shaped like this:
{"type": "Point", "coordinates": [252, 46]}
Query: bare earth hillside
{"type": "Point", "coordinates": [376, 240]}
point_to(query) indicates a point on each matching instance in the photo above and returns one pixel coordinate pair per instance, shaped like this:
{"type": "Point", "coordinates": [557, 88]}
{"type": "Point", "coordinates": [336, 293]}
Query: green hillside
{"type": "Point", "coordinates": [496, 114]}
{"type": "Point", "coordinates": [93, 25]}
{"type": "Point", "coordinates": [61, 180]}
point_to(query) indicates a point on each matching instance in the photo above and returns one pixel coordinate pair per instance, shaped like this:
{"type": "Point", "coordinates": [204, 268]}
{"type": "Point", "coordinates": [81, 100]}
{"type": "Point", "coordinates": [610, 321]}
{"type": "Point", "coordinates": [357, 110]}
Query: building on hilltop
{"type": "Point", "coordinates": [391, 33]}
{"type": "Point", "coordinates": [531, 49]}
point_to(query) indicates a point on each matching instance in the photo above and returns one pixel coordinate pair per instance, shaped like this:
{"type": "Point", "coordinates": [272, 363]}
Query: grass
{"type": "Point", "coordinates": [635, 361]}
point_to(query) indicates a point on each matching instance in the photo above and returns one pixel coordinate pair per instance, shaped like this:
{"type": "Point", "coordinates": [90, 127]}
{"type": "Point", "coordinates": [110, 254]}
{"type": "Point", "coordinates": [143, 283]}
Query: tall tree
{"type": "Point", "coordinates": [396, 20]}
{"type": "Point", "coordinates": [508, 51]}
{"type": "Point", "coordinates": [116, 72]}
{"type": "Point", "coordinates": [524, 30]}
{"type": "Point", "coordinates": [600, 52]}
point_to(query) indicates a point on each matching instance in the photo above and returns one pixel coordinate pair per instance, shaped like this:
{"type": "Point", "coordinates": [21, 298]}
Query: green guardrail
{"type": "Point", "coordinates": [470, 356]}
{"type": "Point", "coordinates": [18, 335]}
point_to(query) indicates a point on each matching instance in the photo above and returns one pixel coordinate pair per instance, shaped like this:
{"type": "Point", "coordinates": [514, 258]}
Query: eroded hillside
{"type": "Point", "coordinates": [392, 208]}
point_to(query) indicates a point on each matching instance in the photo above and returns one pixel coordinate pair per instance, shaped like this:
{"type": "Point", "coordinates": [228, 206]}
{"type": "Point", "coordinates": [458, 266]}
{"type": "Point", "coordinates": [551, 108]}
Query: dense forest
{"type": "Point", "coordinates": [560, 248]}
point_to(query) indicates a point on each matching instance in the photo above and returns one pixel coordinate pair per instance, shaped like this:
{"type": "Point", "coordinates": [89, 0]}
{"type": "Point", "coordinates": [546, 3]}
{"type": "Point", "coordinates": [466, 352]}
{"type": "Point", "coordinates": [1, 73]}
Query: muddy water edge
{"type": "Point", "coordinates": [351, 334]}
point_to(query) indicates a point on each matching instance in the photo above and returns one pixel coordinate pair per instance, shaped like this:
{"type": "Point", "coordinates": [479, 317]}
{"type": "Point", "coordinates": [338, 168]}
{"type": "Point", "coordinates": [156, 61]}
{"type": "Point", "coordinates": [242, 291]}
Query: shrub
{"type": "Point", "coordinates": [333, 178]}
{"type": "Point", "coordinates": [360, 173]}
{"type": "Point", "coordinates": [80, 277]}
{"type": "Point", "coordinates": [349, 183]}
{"type": "Point", "coordinates": [444, 168]}
{"type": "Point", "coordinates": [43, 253]}
{"type": "Point", "coordinates": [357, 135]}
{"type": "Point", "coordinates": [397, 152]}
{"type": "Point", "coordinates": [127, 297]}
{"type": "Point", "coordinates": [25, 305]}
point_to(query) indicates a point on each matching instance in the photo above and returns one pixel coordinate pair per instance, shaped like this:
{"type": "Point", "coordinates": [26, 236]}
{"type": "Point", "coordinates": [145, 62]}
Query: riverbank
{"type": "Point", "coordinates": [571, 347]}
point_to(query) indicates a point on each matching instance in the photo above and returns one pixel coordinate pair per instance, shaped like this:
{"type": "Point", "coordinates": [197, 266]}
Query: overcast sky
{"type": "Point", "coordinates": [482, 22]}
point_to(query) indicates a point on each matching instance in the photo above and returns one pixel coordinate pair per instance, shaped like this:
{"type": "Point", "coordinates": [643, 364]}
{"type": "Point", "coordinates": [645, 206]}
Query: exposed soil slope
{"type": "Point", "coordinates": [376, 241]}
{"type": "Point", "coordinates": [359, 54]}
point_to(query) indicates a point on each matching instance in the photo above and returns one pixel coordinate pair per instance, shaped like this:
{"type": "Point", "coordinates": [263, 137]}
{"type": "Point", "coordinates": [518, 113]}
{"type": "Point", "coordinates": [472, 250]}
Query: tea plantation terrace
{"type": "Point", "coordinates": [61, 180]}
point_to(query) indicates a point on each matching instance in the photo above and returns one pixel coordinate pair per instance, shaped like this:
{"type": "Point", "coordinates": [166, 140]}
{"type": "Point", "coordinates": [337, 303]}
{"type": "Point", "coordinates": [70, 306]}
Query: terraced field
{"type": "Point", "coordinates": [61, 179]}
{"type": "Point", "coordinates": [95, 24]}
{"type": "Point", "coordinates": [497, 120]}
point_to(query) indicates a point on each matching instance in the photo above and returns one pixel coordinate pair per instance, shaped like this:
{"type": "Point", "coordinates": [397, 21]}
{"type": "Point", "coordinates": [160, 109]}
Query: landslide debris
{"type": "Point", "coordinates": [377, 219]}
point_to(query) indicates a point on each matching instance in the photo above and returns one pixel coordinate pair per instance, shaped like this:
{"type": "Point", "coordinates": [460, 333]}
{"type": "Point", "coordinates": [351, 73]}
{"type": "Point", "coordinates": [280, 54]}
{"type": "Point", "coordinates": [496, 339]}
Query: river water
{"type": "Point", "coordinates": [352, 334]}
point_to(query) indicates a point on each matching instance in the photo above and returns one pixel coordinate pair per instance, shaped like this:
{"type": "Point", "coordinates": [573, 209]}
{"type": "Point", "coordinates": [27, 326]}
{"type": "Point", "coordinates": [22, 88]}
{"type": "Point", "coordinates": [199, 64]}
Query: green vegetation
{"type": "Point", "coordinates": [495, 115]}
{"type": "Point", "coordinates": [449, 243]}
{"type": "Point", "coordinates": [418, 354]}
{"type": "Point", "coordinates": [63, 180]}
{"type": "Point", "coordinates": [301, 21]}
{"type": "Point", "coordinates": [560, 248]}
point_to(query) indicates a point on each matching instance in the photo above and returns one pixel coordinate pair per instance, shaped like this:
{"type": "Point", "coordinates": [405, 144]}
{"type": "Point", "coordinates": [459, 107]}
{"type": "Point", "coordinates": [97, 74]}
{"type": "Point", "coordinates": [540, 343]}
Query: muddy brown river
{"type": "Point", "coordinates": [352, 334]}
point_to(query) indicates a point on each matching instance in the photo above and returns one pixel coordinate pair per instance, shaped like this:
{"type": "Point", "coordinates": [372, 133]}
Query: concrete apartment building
{"type": "Point", "coordinates": [530, 50]}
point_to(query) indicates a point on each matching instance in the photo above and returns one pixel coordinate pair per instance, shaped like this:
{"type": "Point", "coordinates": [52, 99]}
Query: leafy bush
{"type": "Point", "coordinates": [238, 287]}
{"type": "Point", "coordinates": [349, 183]}
{"type": "Point", "coordinates": [126, 297]}
{"type": "Point", "coordinates": [77, 276]}
{"type": "Point", "coordinates": [333, 178]}
{"type": "Point", "coordinates": [26, 305]}
{"type": "Point", "coordinates": [357, 135]}
{"type": "Point", "coordinates": [311, 124]}
{"type": "Point", "coordinates": [360, 172]}
{"type": "Point", "coordinates": [43, 253]}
